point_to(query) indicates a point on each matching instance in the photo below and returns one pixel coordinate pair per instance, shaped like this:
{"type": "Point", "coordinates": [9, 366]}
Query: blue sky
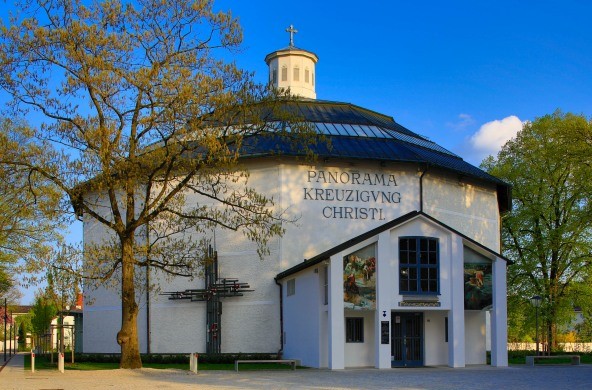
{"type": "Point", "coordinates": [465, 74]}
{"type": "Point", "coordinates": [444, 69]}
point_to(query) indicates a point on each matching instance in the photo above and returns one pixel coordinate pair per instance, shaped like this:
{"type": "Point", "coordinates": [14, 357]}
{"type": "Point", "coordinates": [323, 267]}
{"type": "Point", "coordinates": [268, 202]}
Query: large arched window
{"type": "Point", "coordinates": [296, 73]}
{"type": "Point", "coordinates": [274, 76]}
{"type": "Point", "coordinates": [306, 75]}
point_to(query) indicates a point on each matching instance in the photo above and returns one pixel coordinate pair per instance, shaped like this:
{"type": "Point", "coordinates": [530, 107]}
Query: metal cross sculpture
{"type": "Point", "coordinates": [292, 31]}
{"type": "Point", "coordinates": [215, 288]}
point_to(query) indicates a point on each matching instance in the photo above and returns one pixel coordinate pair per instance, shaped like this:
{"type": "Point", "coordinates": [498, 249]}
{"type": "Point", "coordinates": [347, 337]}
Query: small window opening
{"type": "Point", "coordinates": [284, 73]}
{"type": "Point", "coordinates": [354, 330]}
{"type": "Point", "coordinates": [291, 288]}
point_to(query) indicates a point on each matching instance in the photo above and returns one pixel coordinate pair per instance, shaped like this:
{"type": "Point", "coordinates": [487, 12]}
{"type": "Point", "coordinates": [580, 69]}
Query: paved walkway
{"type": "Point", "coordinates": [555, 377]}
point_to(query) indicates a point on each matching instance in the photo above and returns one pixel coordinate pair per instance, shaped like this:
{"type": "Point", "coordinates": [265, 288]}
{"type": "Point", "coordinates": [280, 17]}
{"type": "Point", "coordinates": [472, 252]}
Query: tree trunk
{"type": "Point", "coordinates": [549, 339]}
{"type": "Point", "coordinates": [127, 337]}
{"type": "Point", "coordinates": [62, 349]}
{"type": "Point", "coordinates": [552, 328]}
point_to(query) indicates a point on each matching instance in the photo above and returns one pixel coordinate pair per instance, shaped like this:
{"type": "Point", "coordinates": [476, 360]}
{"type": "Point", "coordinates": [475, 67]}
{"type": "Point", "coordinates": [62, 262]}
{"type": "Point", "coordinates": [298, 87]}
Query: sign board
{"type": "Point", "coordinates": [384, 332]}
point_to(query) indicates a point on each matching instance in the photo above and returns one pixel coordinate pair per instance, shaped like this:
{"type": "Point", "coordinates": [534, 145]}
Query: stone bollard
{"type": "Point", "coordinates": [61, 362]}
{"type": "Point", "coordinates": [193, 362]}
{"type": "Point", "coordinates": [32, 361]}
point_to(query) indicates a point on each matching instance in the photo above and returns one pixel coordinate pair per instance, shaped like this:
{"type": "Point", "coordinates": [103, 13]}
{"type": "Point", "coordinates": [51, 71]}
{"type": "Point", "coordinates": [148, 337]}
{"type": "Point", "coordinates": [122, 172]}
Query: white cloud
{"type": "Point", "coordinates": [491, 136]}
{"type": "Point", "coordinates": [489, 139]}
{"type": "Point", "coordinates": [464, 121]}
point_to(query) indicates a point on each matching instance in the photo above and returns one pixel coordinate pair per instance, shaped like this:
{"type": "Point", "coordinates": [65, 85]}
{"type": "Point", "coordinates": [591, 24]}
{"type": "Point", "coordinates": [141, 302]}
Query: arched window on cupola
{"type": "Point", "coordinates": [306, 75]}
{"type": "Point", "coordinates": [274, 76]}
{"type": "Point", "coordinates": [296, 73]}
{"type": "Point", "coordinates": [284, 73]}
{"type": "Point", "coordinates": [313, 81]}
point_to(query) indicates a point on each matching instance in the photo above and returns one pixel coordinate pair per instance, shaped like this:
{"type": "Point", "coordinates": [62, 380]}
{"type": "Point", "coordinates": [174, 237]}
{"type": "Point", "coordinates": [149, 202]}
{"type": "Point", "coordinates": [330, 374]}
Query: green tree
{"type": "Point", "coordinates": [42, 313]}
{"type": "Point", "coordinates": [548, 232]}
{"type": "Point", "coordinates": [9, 320]}
{"type": "Point", "coordinates": [24, 328]}
{"type": "Point", "coordinates": [145, 111]}
{"type": "Point", "coordinates": [29, 212]}
{"type": "Point", "coordinates": [7, 284]}
{"type": "Point", "coordinates": [64, 279]}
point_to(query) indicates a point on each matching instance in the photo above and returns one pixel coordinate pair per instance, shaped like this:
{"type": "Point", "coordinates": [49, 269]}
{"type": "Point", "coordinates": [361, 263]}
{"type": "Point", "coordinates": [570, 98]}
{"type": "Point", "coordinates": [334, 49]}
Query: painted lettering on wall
{"type": "Point", "coordinates": [377, 190]}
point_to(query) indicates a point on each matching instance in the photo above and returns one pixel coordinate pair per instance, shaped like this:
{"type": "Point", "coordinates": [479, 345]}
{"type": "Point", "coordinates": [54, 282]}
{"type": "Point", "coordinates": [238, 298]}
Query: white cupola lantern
{"type": "Point", "coordinates": [293, 68]}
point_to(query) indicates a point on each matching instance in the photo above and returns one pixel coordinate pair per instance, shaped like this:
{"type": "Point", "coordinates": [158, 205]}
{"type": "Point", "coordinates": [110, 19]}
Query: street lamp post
{"type": "Point", "coordinates": [535, 300]}
{"type": "Point", "coordinates": [10, 348]}
{"type": "Point", "coordinates": [5, 319]}
{"type": "Point", "coordinates": [15, 336]}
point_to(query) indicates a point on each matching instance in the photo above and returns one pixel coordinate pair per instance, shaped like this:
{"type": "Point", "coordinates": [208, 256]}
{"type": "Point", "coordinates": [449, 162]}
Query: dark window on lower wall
{"type": "Point", "coordinates": [446, 329]}
{"type": "Point", "coordinates": [354, 330]}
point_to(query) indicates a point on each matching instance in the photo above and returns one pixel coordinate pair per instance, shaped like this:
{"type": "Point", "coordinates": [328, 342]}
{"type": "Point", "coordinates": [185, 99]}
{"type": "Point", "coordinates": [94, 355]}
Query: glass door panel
{"type": "Point", "coordinates": [407, 339]}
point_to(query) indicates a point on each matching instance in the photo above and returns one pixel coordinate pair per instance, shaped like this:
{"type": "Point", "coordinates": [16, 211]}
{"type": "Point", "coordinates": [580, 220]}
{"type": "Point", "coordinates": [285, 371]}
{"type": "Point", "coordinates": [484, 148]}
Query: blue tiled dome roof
{"type": "Point", "coordinates": [354, 132]}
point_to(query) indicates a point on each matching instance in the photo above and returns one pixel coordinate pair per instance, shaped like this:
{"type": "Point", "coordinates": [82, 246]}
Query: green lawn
{"type": "Point", "coordinates": [43, 363]}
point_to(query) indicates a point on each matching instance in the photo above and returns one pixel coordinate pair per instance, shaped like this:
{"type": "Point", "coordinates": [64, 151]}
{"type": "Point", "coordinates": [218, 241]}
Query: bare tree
{"type": "Point", "coordinates": [140, 113]}
{"type": "Point", "coordinates": [29, 213]}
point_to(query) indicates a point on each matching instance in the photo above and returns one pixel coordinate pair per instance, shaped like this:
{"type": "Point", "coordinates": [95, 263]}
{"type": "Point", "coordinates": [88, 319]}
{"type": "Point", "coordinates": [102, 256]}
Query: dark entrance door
{"type": "Point", "coordinates": [407, 343]}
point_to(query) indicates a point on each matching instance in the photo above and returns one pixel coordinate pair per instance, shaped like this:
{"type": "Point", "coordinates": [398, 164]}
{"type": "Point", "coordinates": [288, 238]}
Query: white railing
{"type": "Point", "coordinates": [567, 347]}
{"type": "Point", "coordinates": [10, 345]}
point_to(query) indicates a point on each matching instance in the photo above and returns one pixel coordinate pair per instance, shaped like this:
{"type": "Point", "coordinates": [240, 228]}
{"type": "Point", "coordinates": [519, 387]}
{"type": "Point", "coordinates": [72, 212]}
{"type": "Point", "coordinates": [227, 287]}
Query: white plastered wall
{"type": "Point", "coordinates": [102, 304]}
{"type": "Point", "coordinates": [435, 345]}
{"type": "Point", "coordinates": [314, 233]}
{"type": "Point", "coordinates": [302, 314]}
{"type": "Point", "coordinates": [179, 326]}
{"type": "Point", "coordinates": [241, 329]}
{"type": "Point", "coordinates": [469, 208]}
{"type": "Point", "coordinates": [361, 354]}
{"type": "Point", "coordinates": [475, 352]}
{"type": "Point", "coordinates": [295, 59]}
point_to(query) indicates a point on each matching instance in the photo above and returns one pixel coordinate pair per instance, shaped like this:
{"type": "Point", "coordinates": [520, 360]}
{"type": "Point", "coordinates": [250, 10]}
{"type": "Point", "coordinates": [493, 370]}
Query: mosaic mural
{"type": "Point", "coordinates": [359, 279]}
{"type": "Point", "coordinates": [478, 286]}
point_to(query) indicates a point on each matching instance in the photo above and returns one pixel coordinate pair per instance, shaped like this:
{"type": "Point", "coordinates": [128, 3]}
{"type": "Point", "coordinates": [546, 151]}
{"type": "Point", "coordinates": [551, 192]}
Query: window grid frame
{"type": "Point", "coordinates": [414, 267]}
{"type": "Point", "coordinates": [354, 330]}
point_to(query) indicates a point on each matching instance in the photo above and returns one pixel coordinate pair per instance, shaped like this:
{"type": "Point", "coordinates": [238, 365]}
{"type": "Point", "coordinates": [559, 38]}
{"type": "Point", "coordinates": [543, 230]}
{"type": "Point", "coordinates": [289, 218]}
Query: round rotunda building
{"type": "Point", "coordinates": [394, 258]}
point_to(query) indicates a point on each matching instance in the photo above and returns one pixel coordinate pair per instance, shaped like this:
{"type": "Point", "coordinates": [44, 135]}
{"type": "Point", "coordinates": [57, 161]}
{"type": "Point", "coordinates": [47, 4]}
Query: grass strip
{"type": "Point", "coordinates": [44, 363]}
{"type": "Point", "coordinates": [520, 358]}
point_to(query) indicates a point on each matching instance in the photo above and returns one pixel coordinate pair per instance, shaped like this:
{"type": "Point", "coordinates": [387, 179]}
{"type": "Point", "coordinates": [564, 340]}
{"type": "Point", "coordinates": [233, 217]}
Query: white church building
{"type": "Point", "coordinates": [394, 259]}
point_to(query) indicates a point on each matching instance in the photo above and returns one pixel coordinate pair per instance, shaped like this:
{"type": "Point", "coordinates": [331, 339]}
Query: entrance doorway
{"type": "Point", "coordinates": [407, 342]}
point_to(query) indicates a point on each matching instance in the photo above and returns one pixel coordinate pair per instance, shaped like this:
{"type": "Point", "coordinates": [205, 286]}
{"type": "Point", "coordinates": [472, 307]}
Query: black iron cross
{"type": "Point", "coordinates": [292, 31]}
{"type": "Point", "coordinates": [215, 288]}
